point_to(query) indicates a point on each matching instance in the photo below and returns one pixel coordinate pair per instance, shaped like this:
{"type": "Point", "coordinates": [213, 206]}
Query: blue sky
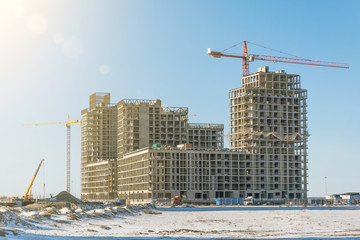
{"type": "Point", "coordinates": [54, 54]}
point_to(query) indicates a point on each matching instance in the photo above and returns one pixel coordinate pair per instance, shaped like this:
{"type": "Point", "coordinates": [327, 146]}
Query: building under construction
{"type": "Point", "coordinates": [138, 150]}
{"type": "Point", "coordinates": [99, 149]}
{"type": "Point", "coordinates": [268, 120]}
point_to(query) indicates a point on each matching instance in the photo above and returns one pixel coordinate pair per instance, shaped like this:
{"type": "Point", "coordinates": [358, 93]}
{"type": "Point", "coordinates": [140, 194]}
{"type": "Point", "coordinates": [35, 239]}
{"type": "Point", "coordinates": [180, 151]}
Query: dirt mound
{"type": "Point", "coordinates": [67, 197]}
{"type": "Point", "coordinates": [9, 217]}
{"type": "Point", "coordinates": [47, 205]}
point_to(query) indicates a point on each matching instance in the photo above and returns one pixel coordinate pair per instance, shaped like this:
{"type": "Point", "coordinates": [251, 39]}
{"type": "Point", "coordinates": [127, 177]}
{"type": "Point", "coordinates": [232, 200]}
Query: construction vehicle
{"type": "Point", "coordinates": [177, 200]}
{"type": "Point", "coordinates": [67, 125]}
{"type": "Point", "coordinates": [182, 199]}
{"type": "Point", "coordinates": [27, 198]}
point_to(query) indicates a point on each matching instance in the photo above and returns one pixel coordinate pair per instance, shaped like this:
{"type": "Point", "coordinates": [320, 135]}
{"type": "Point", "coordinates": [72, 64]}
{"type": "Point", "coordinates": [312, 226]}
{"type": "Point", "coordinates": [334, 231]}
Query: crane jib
{"type": "Point", "coordinates": [299, 61]}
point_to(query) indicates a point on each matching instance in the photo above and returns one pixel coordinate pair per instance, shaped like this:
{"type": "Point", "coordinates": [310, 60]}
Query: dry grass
{"type": "Point", "coordinates": [51, 211]}
{"type": "Point", "coordinates": [105, 227]}
{"type": "Point", "coordinates": [72, 216]}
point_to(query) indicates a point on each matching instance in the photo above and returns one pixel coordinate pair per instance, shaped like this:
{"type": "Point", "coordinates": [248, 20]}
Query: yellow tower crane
{"type": "Point", "coordinates": [67, 125]}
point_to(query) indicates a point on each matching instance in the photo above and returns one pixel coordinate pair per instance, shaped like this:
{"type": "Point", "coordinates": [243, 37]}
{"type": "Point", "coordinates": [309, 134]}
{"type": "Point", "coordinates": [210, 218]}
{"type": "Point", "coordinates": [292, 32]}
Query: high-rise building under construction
{"type": "Point", "coordinates": [138, 150]}
{"type": "Point", "coordinates": [268, 120]}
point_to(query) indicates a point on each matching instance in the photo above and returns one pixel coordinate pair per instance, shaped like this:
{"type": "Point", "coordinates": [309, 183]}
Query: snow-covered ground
{"type": "Point", "coordinates": [193, 223]}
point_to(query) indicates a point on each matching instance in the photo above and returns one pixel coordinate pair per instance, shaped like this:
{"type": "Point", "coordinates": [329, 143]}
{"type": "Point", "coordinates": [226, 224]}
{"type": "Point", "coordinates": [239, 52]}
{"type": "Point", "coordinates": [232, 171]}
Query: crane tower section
{"type": "Point", "coordinates": [268, 120]}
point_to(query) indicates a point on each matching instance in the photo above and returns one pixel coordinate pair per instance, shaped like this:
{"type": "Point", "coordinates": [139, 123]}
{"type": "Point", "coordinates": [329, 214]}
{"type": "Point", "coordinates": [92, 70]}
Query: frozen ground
{"type": "Point", "coordinates": [191, 223]}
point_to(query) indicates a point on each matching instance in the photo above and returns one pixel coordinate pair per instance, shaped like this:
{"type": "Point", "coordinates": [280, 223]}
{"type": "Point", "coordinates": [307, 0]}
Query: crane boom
{"type": "Point", "coordinates": [246, 58]}
{"type": "Point", "coordinates": [50, 123]}
{"type": "Point", "coordinates": [32, 180]}
{"type": "Point", "coordinates": [253, 57]}
{"type": "Point", "coordinates": [299, 61]}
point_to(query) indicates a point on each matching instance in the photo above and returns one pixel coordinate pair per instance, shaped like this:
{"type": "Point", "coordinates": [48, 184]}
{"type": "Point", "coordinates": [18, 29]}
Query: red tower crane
{"type": "Point", "coordinates": [246, 58]}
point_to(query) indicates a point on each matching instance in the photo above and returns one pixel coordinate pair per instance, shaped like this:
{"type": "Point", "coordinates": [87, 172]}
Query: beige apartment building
{"type": "Point", "coordinates": [142, 123]}
{"type": "Point", "coordinates": [161, 173]}
{"type": "Point", "coordinates": [142, 151]}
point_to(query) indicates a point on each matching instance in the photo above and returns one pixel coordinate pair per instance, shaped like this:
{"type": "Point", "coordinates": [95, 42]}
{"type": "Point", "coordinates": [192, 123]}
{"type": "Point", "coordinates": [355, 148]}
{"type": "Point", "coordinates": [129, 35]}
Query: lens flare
{"type": "Point", "coordinates": [37, 23]}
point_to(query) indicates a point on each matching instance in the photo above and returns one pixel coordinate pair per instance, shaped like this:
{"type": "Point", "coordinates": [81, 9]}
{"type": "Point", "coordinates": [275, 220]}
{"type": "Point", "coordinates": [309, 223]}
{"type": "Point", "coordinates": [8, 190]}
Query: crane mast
{"type": "Point", "coordinates": [68, 157]}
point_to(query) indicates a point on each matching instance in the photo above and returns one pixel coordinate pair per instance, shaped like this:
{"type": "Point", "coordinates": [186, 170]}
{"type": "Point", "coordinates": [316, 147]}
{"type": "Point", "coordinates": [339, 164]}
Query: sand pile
{"type": "Point", "coordinates": [67, 197]}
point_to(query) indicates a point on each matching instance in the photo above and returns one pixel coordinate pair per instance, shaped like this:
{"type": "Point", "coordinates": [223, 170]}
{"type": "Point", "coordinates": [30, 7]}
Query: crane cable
{"type": "Point", "coordinates": [232, 46]}
{"type": "Point", "coordinates": [258, 45]}
{"type": "Point", "coordinates": [277, 50]}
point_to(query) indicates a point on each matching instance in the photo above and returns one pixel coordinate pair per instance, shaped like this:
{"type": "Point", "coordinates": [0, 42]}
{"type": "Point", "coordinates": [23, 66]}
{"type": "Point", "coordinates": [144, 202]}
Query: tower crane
{"type": "Point", "coordinates": [67, 125]}
{"type": "Point", "coordinates": [247, 58]}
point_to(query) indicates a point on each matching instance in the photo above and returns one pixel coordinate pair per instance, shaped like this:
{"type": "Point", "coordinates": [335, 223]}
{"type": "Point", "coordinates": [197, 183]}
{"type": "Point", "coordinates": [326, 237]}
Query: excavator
{"type": "Point", "coordinates": [27, 198]}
